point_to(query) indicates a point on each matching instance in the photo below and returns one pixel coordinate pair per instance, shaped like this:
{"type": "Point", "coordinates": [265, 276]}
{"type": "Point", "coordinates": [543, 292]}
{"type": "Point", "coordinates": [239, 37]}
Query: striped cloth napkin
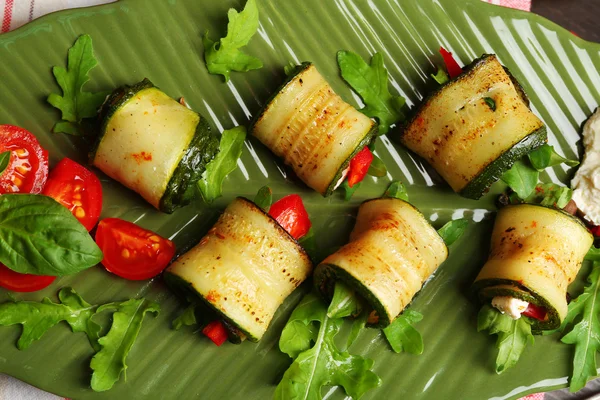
{"type": "Point", "coordinates": [13, 14]}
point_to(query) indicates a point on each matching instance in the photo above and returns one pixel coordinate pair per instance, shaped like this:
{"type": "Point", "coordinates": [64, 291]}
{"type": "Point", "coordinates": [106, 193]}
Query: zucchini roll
{"type": "Point", "coordinates": [153, 145]}
{"type": "Point", "coordinates": [392, 251]}
{"type": "Point", "coordinates": [475, 127]}
{"type": "Point", "coordinates": [313, 129]}
{"type": "Point", "coordinates": [536, 253]}
{"type": "Point", "coordinates": [244, 268]}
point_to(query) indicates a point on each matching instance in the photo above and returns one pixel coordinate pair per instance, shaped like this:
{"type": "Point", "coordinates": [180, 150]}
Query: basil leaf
{"type": "Point", "coordinates": [309, 244]}
{"type": "Point", "coordinates": [521, 178]}
{"type": "Point", "coordinates": [377, 167]}
{"type": "Point", "coordinates": [40, 236]}
{"type": "Point", "coordinates": [4, 160]}
{"type": "Point", "coordinates": [187, 318]}
{"type": "Point", "coordinates": [441, 76]}
{"type": "Point", "coordinates": [349, 191]}
{"type": "Point", "coordinates": [545, 156]}
{"type": "Point", "coordinates": [453, 230]}
{"type": "Point", "coordinates": [402, 335]}
{"type": "Point", "coordinates": [264, 198]}
{"type": "Point", "coordinates": [344, 303]}
{"type": "Point", "coordinates": [396, 190]}
{"type": "Point", "coordinates": [490, 102]}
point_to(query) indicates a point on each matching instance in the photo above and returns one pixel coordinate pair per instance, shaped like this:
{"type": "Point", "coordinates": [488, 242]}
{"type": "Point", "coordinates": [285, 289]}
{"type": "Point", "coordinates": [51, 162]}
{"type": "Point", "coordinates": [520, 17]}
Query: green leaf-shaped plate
{"type": "Point", "coordinates": [161, 40]}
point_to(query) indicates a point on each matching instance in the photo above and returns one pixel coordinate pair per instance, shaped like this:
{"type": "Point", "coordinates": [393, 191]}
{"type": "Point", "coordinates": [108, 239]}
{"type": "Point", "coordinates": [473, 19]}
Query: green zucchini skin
{"type": "Point", "coordinates": [471, 176]}
{"type": "Point", "coordinates": [193, 148]}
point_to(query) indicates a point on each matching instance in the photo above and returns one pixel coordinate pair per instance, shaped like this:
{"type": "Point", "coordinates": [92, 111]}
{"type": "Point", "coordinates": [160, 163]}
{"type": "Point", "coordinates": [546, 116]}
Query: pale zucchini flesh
{"type": "Point", "coordinates": [537, 250]}
{"type": "Point", "coordinates": [244, 267]}
{"type": "Point", "coordinates": [392, 252]}
{"type": "Point", "coordinates": [463, 138]}
{"type": "Point", "coordinates": [312, 129]}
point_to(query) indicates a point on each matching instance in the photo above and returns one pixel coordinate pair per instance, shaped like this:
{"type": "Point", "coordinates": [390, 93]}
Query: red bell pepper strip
{"type": "Point", "coordinates": [359, 166]}
{"type": "Point", "coordinates": [452, 66]}
{"type": "Point", "coordinates": [216, 332]}
{"type": "Point", "coordinates": [536, 312]}
{"type": "Point", "coordinates": [290, 213]}
{"type": "Point", "coordinates": [595, 230]}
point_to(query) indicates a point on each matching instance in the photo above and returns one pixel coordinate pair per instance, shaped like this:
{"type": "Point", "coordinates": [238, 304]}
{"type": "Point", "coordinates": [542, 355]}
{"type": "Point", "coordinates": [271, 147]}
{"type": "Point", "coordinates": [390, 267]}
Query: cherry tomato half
{"type": "Point", "coordinates": [27, 167]}
{"type": "Point", "coordinates": [17, 282]}
{"type": "Point", "coordinates": [78, 189]}
{"type": "Point", "coordinates": [132, 252]}
{"type": "Point", "coordinates": [359, 166]}
{"type": "Point", "coordinates": [290, 213]}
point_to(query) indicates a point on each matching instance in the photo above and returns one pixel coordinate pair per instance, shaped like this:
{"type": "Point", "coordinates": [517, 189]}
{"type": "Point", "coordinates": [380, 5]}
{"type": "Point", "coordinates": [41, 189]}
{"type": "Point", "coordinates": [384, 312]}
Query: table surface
{"type": "Point", "coordinates": [578, 16]}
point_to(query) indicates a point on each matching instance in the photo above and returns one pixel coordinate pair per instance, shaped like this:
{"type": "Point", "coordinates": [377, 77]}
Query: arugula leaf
{"type": "Point", "coordinates": [396, 190]}
{"type": "Point", "coordinates": [264, 198]}
{"type": "Point", "coordinates": [109, 362]}
{"type": "Point", "coordinates": [225, 162]}
{"type": "Point", "coordinates": [322, 364]}
{"type": "Point", "coordinates": [402, 335]}
{"type": "Point", "coordinates": [344, 303]}
{"type": "Point", "coordinates": [550, 195]}
{"type": "Point", "coordinates": [490, 102]}
{"type": "Point", "coordinates": [585, 334]}
{"type": "Point", "coordinates": [187, 318]}
{"type": "Point", "coordinates": [37, 317]}
{"type": "Point", "coordinates": [441, 76]}
{"type": "Point", "coordinates": [75, 104]}
{"type": "Point", "coordinates": [371, 83]}
{"type": "Point", "coordinates": [4, 160]}
{"type": "Point", "coordinates": [453, 230]}
{"type": "Point", "coordinates": [39, 236]}
{"type": "Point", "coordinates": [357, 326]}
{"type": "Point", "coordinates": [513, 335]}
{"type": "Point", "coordinates": [545, 156]}
{"type": "Point", "coordinates": [377, 167]}
{"type": "Point", "coordinates": [593, 254]}
{"type": "Point", "coordinates": [521, 178]}
{"type": "Point", "coordinates": [349, 191]}
{"type": "Point", "coordinates": [224, 56]}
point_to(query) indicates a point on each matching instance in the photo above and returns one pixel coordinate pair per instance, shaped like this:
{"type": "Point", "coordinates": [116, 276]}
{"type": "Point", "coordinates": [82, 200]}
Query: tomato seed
{"type": "Point", "coordinates": [21, 153]}
{"type": "Point", "coordinates": [125, 253]}
{"type": "Point", "coordinates": [79, 212]}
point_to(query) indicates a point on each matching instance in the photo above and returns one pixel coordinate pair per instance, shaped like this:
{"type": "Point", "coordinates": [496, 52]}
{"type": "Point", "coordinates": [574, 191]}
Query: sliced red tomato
{"type": "Point", "coordinates": [359, 166]}
{"type": "Point", "coordinates": [78, 189]}
{"type": "Point", "coordinates": [290, 213]}
{"type": "Point", "coordinates": [452, 66]}
{"type": "Point", "coordinates": [17, 282]}
{"type": "Point", "coordinates": [131, 251]}
{"type": "Point", "coordinates": [27, 167]}
{"type": "Point", "coordinates": [216, 332]}
{"type": "Point", "coordinates": [536, 312]}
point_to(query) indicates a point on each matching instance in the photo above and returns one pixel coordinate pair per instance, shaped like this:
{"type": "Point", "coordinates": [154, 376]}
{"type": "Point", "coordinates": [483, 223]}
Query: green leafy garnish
{"type": "Point", "coordinates": [377, 167]}
{"type": "Point", "coordinates": [402, 335]}
{"type": "Point", "coordinates": [40, 236]}
{"type": "Point", "coordinates": [396, 190]}
{"type": "Point", "coordinates": [225, 56]}
{"type": "Point", "coordinates": [522, 178]}
{"type": "Point", "coordinates": [357, 326]}
{"type": "Point", "coordinates": [441, 76]}
{"type": "Point", "coordinates": [453, 230]}
{"type": "Point", "coordinates": [349, 191]}
{"type": "Point", "coordinates": [593, 254]}
{"type": "Point", "coordinates": [4, 160]}
{"type": "Point", "coordinates": [513, 335]}
{"type": "Point", "coordinates": [490, 102]}
{"type": "Point", "coordinates": [290, 68]}
{"type": "Point", "coordinates": [550, 195]}
{"type": "Point", "coordinates": [264, 198]}
{"type": "Point", "coordinates": [109, 362]}
{"type": "Point", "coordinates": [545, 156]}
{"type": "Point", "coordinates": [308, 338]}
{"type": "Point", "coordinates": [371, 83]}
{"type": "Point", "coordinates": [75, 104]}
{"type": "Point", "coordinates": [309, 244]}
{"type": "Point", "coordinates": [225, 162]}
{"type": "Point", "coordinates": [187, 318]}
{"type": "Point", "coordinates": [344, 303]}
{"type": "Point", "coordinates": [585, 333]}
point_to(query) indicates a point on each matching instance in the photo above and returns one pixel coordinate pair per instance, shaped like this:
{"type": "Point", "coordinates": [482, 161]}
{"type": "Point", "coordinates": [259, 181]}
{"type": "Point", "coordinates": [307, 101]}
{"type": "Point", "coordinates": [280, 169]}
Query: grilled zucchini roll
{"type": "Point", "coordinates": [153, 145]}
{"type": "Point", "coordinates": [475, 127]}
{"type": "Point", "coordinates": [244, 268]}
{"type": "Point", "coordinates": [313, 129]}
{"type": "Point", "coordinates": [536, 253]}
{"type": "Point", "coordinates": [392, 251]}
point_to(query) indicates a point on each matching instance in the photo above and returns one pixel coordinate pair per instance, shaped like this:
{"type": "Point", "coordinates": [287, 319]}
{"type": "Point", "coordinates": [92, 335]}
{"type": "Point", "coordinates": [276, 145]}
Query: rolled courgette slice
{"type": "Point", "coordinates": [392, 252]}
{"type": "Point", "coordinates": [475, 127]}
{"type": "Point", "coordinates": [153, 145]}
{"type": "Point", "coordinates": [244, 268]}
{"type": "Point", "coordinates": [312, 129]}
{"type": "Point", "coordinates": [536, 253]}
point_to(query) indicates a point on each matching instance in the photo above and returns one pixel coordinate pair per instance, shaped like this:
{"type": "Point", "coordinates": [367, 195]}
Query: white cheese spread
{"type": "Point", "coordinates": [344, 174]}
{"type": "Point", "coordinates": [511, 306]}
{"type": "Point", "coordinates": [586, 183]}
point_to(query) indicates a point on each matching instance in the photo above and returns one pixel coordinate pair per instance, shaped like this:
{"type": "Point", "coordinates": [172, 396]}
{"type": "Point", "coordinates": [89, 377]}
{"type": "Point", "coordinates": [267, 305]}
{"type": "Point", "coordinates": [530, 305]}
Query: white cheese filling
{"type": "Point", "coordinates": [511, 306]}
{"type": "Point", "coordinates": [344, 174]}
{"type": "Point", "coordinates": [586, 183]}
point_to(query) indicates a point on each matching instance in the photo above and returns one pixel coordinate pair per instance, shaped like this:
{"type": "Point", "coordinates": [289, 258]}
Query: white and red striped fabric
{"type": "Point", "coordinates": [13, 14]}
